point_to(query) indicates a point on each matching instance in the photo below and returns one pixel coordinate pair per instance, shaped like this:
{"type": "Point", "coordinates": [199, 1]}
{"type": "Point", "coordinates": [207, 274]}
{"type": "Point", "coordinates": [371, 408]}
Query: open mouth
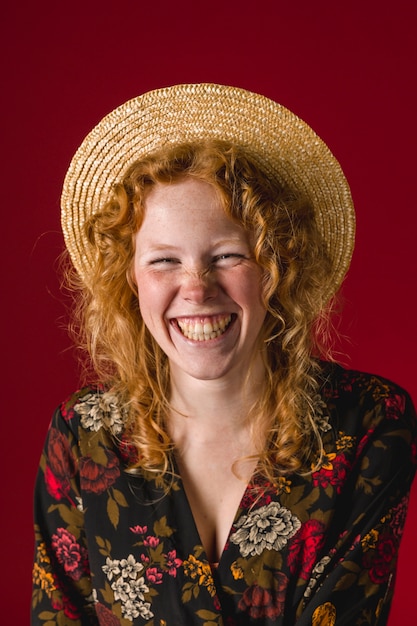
{"type": "Point", "coordinates": [204, 328]}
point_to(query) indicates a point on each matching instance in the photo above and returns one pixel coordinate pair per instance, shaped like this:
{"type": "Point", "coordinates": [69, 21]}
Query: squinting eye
{"type": "Point", "coordinates": [163, 261]}
{"type": "Point", "coordinates": [228, 257]}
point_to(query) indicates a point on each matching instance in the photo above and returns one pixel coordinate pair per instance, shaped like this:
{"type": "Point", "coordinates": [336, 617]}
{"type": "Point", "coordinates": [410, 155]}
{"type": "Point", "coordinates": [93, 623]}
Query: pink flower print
{"type": "Point", "coordinates": [139, 530]}
{"type": "Point", "coordinates": [173, 563]}
{"type": "Point", "coordinates": [151, 542]}
{"type": "Point", "coordinates": [154, 576]}
{"type": "Point", "coordinates": [69, 553]}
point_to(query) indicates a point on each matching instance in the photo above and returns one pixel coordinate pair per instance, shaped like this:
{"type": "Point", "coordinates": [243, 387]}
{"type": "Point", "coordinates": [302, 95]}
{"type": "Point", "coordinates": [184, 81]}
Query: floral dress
{"type": "Point", "coordinates": [114, 549]}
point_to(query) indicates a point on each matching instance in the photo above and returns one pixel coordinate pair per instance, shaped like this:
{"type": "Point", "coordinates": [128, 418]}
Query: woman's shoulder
{"type": "Point", "coordinates": [370, 398]}
{"type": "Point", "coordinates": [337, 378]}
{"type": "Point", "coordinates": [90, 417]}
{"type": "Point", "coordinates": [94, 408]}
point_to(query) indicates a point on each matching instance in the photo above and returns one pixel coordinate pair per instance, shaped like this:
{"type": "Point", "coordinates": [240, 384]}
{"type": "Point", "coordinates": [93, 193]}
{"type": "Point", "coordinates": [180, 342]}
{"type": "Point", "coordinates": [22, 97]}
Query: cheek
{"type": "Point", "coordinates": [154, 292]}
{"type": "Point", "coordinates": [246, 286]}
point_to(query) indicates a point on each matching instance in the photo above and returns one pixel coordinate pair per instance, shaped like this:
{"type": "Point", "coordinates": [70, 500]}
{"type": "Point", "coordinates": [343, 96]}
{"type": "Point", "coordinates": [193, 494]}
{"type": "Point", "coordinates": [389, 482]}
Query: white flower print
{"type": "Point", "coordinates": [267, 528]}
{"type": "Point", "coordinates": [322, 416]}
{"type": "Point", "coordinates": [111, 568]}
{"type": "Point", "coordinates": [130, 610]}
{"type": "Point", "coordinates": [101, 409]}
{"type": "Point", "coordinates": [130, 567]}
{"type": "Point", "coordinates": [92, 598]}
{"type": "Point", "coordinates": [128, 587]}
{"type": "Point", "coordinates": [80, 506]}
{"type": "Point", "coordinates": [121, 589]}
{"type": "Point", "coordinates": [138, 588]}
{"type": "Point", "coordinates": [315, 575]}
{"type": "Point", "coordinates": [144, 610]}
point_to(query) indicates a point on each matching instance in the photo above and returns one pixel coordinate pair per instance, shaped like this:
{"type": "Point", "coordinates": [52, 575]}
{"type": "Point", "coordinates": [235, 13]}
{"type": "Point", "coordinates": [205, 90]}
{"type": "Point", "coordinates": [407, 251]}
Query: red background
{"type": "Point", "coordinates": [348, 69]}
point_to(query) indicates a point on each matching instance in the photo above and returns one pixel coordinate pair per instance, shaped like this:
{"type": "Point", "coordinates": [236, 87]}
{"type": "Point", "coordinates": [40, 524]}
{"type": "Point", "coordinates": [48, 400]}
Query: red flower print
{"type": "Point", "coordinates": [364, 442]}
{"type": "Point", "coordinates": [128, 451]}
{"type": "Point", "coordinates": [398, 516]}
{"type": "Point", "coordinates": [259, 490]}
{"type": "Point", "coordinates": [387, 548]}
{"type": "Point", "coordinates": [305, 547]}
{"type": "Point", "coordinates": [381, 560]}
{"type": "Point", "coordinates": [62, 602]}
{"type": "Point", "coordinates": [96, 478]}
{"type": "Point", "coordinates": [154, 576]}
{"type": "Point", "coordinates": [71, 610]}
{"type": "Point", "coordinates": [250, 497]}
{"type": "Point", "coordinates": [395, 406]}
{"type": "Point", "coordinates": [57, 602]}
{"type": "Point", "coordinates": [105, 616]}
{"type": "Point", "coordinates": [259, 603]}
{"type": "Point", "coordinates": [58, 488]}
{"type": "Point", "coordinates": [67, 413]}
{"type": "Point", "coordinates": [60, 458]}
{"type": "Point", "coordinates": [60, 467]}
{"type": "Point", "coordinates": [217, 605]}
{"type": "Point", "coordinates": [336, 476]}
{"type": "Point", "coordinates": [69, 553]}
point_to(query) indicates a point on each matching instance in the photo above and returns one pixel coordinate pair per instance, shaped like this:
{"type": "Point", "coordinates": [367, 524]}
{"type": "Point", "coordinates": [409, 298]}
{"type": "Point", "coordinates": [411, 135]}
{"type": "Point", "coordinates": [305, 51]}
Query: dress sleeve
{"type": "Point", "coordinates": [353, 583]}
{"type": "Point", "coordinates": [62, 590]}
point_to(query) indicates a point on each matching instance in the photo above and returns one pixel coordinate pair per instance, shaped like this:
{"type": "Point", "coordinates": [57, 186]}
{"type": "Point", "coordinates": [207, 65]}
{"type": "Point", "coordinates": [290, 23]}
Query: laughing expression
{"type": "Point", "coordinates": [199, 287]}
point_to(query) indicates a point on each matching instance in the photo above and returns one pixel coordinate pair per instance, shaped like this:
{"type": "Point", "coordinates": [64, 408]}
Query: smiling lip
{"type": "Point", "coordinates": [204, 328]}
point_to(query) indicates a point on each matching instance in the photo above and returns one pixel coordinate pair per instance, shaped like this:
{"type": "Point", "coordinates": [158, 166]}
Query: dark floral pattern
{"type": "Point", "coordinates": [95, 477]}
{"type": "Point", "coordinates": [113, 549]}
{"type": "Point", "coordinates": [305, 548]}
{"type": "Point", "coordinates": [69, 553]}
{"type": "Point", "coordinates": [260, 603]}
{"type": "Point", "coordinates": [333, 471]}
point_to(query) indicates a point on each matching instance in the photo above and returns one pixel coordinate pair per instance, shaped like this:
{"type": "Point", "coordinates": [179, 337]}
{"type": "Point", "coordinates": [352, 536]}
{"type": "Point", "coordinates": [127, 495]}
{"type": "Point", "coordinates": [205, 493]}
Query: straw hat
{"type": "Point", "coordinates": [280, 143]}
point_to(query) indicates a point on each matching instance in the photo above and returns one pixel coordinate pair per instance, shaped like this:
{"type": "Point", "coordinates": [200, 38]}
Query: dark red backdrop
{"type": "Point", "coordinates": [346, 68]}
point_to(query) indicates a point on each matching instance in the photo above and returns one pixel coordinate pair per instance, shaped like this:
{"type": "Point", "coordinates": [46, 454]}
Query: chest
{"type": "Point", "coordinates": [214, 484]}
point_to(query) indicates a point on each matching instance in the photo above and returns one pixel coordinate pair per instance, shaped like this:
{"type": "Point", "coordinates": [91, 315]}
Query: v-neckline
{"type": "Point", "coordinates": [190, 516]}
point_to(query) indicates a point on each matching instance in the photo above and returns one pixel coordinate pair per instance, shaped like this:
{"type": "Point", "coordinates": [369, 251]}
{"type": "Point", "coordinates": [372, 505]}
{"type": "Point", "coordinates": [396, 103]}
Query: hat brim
{"type": "Point", "coordinates": [278, 141]}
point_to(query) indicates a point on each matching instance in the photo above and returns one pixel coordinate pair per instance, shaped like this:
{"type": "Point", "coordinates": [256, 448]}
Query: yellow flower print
{"type": "Point", "coordinates": [42, 555]}
{"type": "Point", "coordinates": [344, 442]}
{"type": "Point", "coordinates": [237, 571]}
{"type": "Point", "coordinates": [192, 567]}
{"type": "Point", "coordinates": [209, 583]}
{"type": "Point", "coordinates": [197, 569]}
{"type": "Point", "coordinates": [43, 579]}
{"type": "Point", "coordinates": [324, 615]}
{"type": "Point", "coordinates": [369, 541]}
{"type": "Point", "coordinates": [283, 485]}
{"type": "Point", "coordinates": [326, 462]}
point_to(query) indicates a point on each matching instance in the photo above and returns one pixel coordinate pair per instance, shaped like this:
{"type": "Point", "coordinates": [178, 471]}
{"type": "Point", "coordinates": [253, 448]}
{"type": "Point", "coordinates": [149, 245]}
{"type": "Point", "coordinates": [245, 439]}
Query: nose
{"type": "Point", "coordinates": [198, 286]}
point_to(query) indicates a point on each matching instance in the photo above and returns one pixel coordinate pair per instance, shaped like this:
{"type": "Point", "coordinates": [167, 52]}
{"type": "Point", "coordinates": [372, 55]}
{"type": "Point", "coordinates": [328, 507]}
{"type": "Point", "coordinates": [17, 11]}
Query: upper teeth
{"type": "Point", "coordinates": [205, 328]}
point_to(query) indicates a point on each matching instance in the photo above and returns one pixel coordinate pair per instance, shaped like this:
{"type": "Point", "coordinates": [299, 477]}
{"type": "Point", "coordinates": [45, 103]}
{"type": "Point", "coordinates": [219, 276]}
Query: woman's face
{"type": "Point", "coordinates": [199, 287]}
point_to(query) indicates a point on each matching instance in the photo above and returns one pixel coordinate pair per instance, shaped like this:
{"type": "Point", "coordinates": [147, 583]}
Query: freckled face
{"type": "Point", "coordinates": [199, 288]}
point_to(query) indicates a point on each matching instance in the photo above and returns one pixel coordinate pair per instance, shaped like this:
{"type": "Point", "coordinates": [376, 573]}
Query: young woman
{"type": "Point", "coordinates": [216, 469]}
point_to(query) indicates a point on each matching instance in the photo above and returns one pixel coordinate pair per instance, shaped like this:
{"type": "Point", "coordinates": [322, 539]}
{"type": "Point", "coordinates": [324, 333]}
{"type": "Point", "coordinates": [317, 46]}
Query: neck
{"type": "Point", "coordinates": [208, 409]}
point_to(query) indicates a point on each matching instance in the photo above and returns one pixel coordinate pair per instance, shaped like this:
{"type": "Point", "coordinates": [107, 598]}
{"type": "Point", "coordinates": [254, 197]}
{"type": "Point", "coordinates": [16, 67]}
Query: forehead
{"type": "Point", "coordinates": [184, 209]}
{"type": "Point", "coordinates": [188, 200]}
{"type": "Point", "coordinates": [182, 193]}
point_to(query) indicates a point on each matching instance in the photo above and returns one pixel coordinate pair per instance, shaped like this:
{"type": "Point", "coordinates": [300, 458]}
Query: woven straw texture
{"type": "Point", "coordinates": [281, 144]}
